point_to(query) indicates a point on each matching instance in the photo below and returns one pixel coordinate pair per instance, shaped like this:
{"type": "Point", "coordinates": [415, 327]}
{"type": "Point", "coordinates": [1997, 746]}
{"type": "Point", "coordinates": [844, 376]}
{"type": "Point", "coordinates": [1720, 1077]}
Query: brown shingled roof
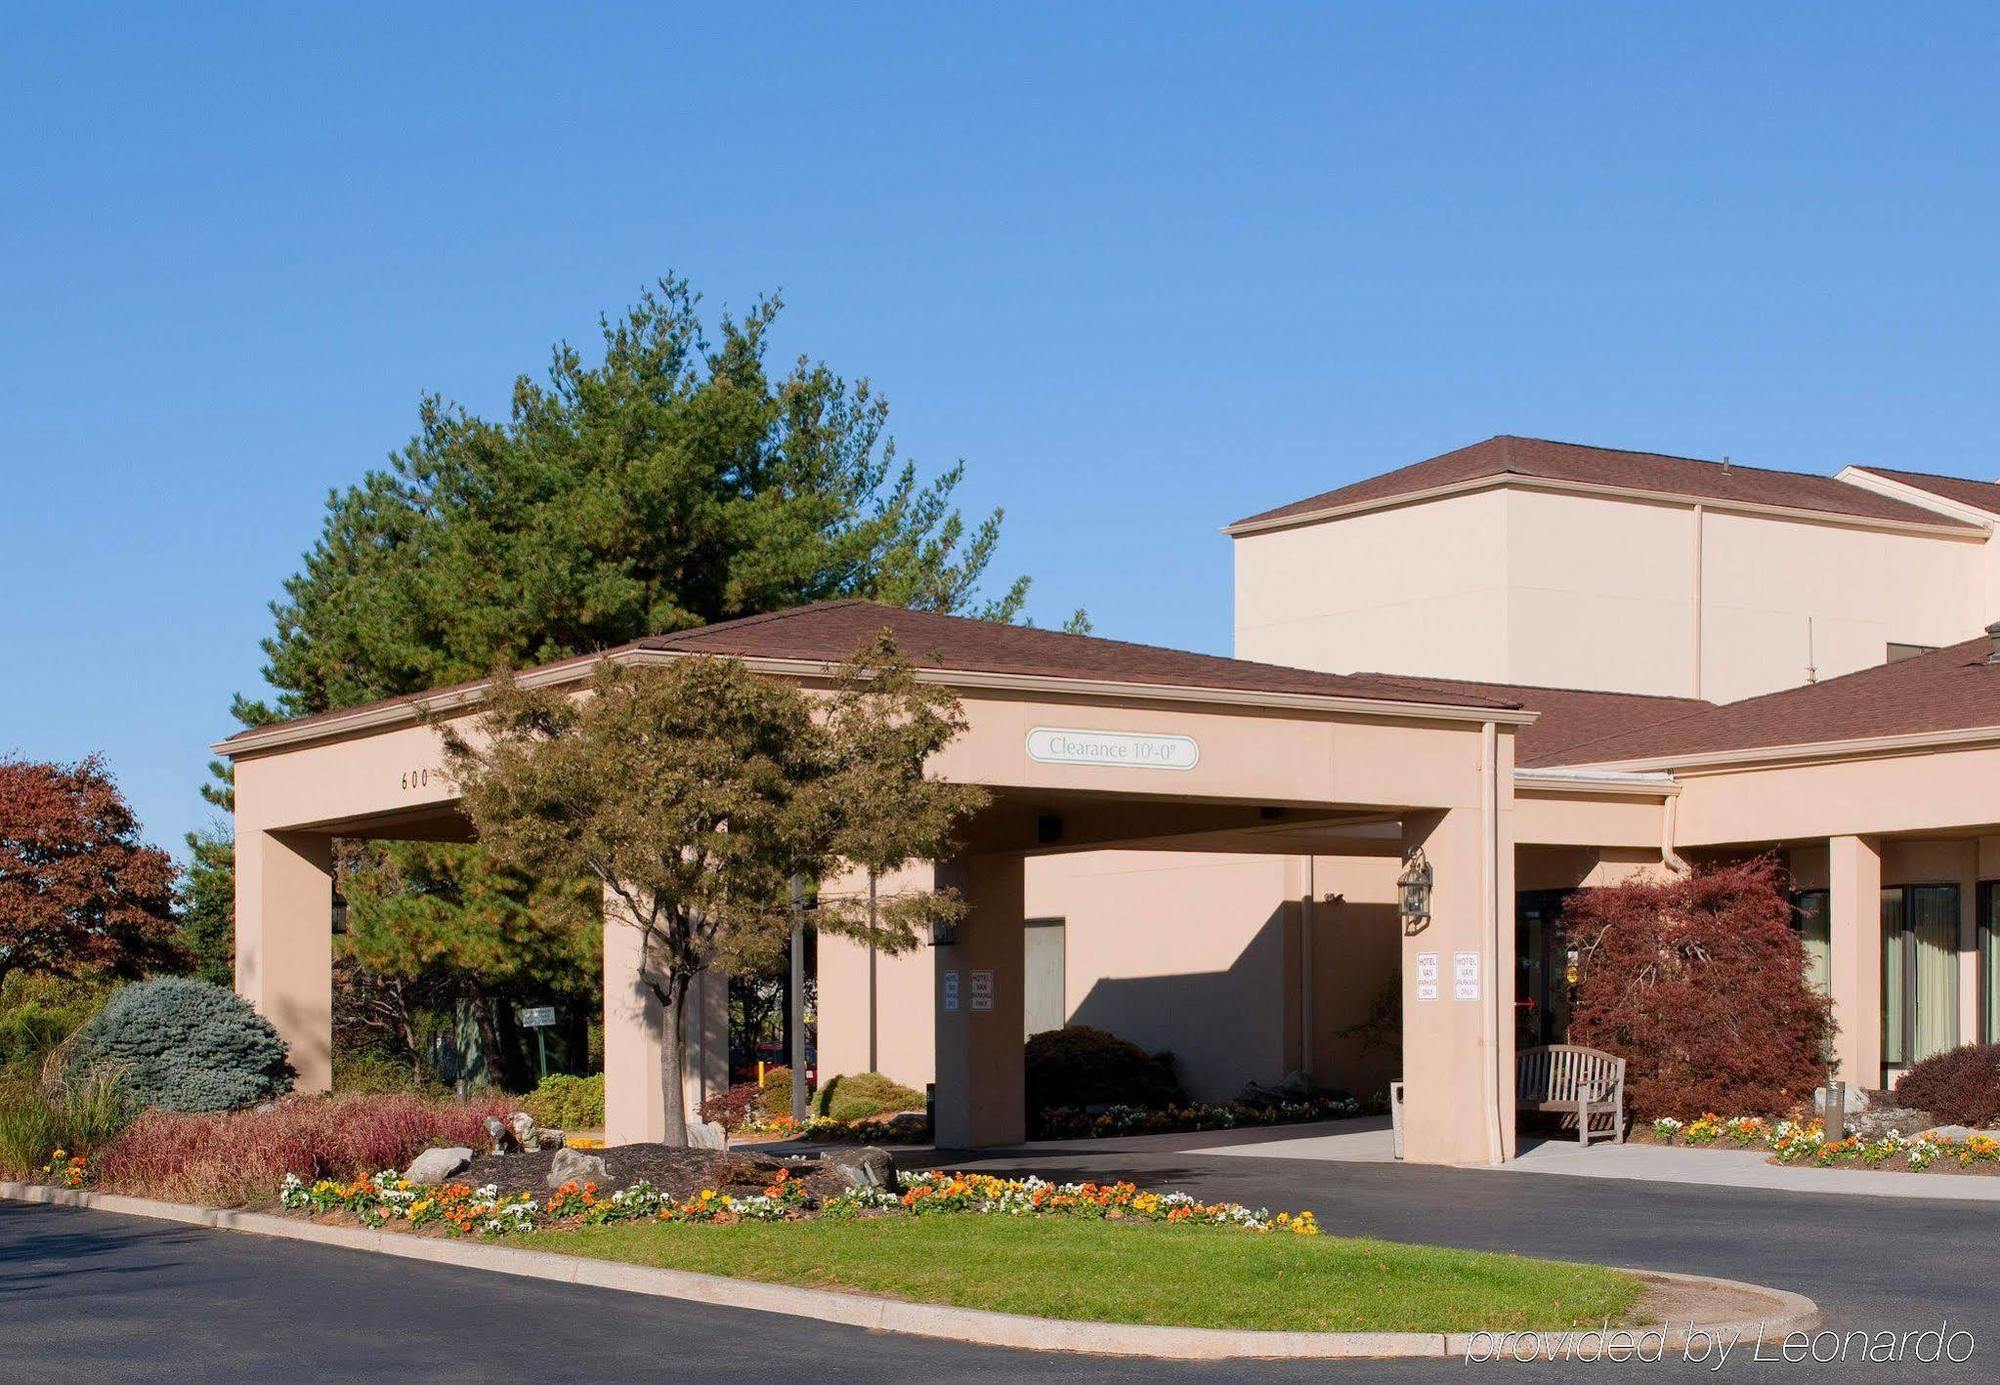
{"type": "Point", "coordinates": [831, 631]}
{"type": "Point", "coordinates": [1984, 495]}
{"type": "Point", "coordinates": [1605, 466]}
{"type": "Point", "coordinates": [1569, 716]}
{"type": "Point", "coordinates": [1950, 689]}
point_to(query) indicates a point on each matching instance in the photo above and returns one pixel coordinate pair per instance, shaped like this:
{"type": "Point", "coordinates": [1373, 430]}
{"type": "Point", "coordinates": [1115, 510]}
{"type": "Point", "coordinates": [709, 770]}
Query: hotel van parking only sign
{"type": "Point", "coordinates": [1055, 745]}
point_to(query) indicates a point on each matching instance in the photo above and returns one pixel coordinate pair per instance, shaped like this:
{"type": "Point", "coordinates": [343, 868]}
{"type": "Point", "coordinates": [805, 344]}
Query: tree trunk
{"type": "Point", "coordinates": [673, 1094]}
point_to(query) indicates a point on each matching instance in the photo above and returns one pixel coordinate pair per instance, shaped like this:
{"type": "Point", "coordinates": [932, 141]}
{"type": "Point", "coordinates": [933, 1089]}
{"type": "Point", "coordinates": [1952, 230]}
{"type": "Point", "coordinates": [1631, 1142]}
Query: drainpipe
{"type": "Point", "coordinates": [1673, 859]}
{"type": "Point", "coordinates": [1489, 800]}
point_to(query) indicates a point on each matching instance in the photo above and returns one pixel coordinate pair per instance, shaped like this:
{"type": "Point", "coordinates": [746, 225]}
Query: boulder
{"type": "Point", "coordinates": [500, 1136]}
{"type": "Point", "coordinates": [866, 1167]}
{"type": "Point", "coordinates": [1856, 1100]}
{"type": "Point", "coordinates": [434, 1166]}
{"type": "Point", "coordinates": [550, 1139]}
{"type": "Point", "coordinates": [707, 1135]}
{"type": "Point", "coordinates": [1949, 1132]}
{"type": "Point", "coordinates": [574, 1166]}
{"type": "Point", "coordinates": [522, 1126]}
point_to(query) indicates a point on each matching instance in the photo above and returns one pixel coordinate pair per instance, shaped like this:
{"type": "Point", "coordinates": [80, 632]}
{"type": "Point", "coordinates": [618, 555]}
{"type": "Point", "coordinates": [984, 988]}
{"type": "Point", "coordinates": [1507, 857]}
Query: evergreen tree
{"type": "Point", "coordinates": [680, 480]}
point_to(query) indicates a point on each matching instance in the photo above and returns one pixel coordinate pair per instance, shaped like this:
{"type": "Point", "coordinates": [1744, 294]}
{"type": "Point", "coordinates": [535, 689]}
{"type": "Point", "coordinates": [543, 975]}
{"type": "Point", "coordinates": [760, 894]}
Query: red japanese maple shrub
{"type": "Point", "coordinates": [1698, 982]}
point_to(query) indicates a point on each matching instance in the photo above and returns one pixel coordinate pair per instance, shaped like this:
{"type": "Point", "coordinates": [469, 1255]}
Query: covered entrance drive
{"type": "Point", "coordinates": [1086, 744]}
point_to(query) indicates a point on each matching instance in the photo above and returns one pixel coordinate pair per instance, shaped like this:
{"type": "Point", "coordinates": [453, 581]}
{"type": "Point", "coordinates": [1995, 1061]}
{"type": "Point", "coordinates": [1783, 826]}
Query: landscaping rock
{"type": "Point", "coordinates": [522, 1126]}
{"type": "Point", "coordinates": [436, 1165]}
{"type": "Point", "coordinates": [866, 1167]}
{"type": "Point", "coordinates": [1949, 1132]}
{"type": "Point", "coordinates": [1879, 1120]}
{"type": "Point", "coordinates": [707, 1135]}
{"type": "Point", "coordinates": [1856, 1100]}
{"type": "Point", "coordinates": [550, 1139]}
{"type": "Point", "coordinates": [574, 1166]}
{"type": "Point", "coordinates": [500, 1137]}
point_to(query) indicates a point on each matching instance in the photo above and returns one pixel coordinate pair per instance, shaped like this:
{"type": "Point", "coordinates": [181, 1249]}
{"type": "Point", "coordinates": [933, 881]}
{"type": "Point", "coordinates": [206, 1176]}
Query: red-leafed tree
{"type": "Point", "coordinates": [79, 892]}
{"type": "Point", "coordinates": [1699, 983]}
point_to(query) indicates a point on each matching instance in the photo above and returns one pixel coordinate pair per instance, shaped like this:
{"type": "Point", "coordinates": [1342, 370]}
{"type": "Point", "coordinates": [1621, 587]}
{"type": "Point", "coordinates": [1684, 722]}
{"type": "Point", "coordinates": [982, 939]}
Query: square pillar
{"type": "Point", "coordinates": [981, 1093]}
{"type": "Point", "coordinates": [284, 943]}
{"type": "Point", "coordinates": [1458, 1081]}
{"type": "Point", "coordinates": [633, 1106]}
{"type": "Point", "coordinates": [1854, 908]}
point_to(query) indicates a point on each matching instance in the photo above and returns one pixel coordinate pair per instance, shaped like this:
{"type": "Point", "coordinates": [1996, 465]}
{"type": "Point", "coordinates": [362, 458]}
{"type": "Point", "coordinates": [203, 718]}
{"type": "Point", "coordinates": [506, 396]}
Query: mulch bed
{"type": "Point", "coordinates": [678, 1172]}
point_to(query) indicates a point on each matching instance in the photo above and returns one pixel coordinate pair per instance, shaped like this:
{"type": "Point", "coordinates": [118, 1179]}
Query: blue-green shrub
{"type": "Point", "coordinates": [186, 1045]}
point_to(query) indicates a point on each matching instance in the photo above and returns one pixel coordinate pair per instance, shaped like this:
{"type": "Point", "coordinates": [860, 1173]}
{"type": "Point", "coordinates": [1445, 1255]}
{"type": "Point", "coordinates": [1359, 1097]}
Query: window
{"type": "Point", "coordinates": [1919, 972]}
{"type": "Point", "coordinates": [1812, 916]}
{"type": "Point", "coordinates": [1989, 963]}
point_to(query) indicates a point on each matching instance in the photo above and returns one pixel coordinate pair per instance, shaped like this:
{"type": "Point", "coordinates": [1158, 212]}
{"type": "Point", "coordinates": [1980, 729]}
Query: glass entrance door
{"type": "Point", "coordinates": [1541, 969]}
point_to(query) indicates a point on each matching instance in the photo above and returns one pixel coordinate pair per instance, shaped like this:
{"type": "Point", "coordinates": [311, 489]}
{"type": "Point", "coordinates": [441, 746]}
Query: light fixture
{"type": "Point", "coordinates": [944, 932]}
{"type": "Point", "coordinates": [1413, 887]}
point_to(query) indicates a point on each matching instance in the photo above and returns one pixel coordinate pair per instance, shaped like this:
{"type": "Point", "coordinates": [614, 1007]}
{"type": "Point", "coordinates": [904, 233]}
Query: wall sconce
{"type": "Point", "coordinates": [1413, 888]}
{"type": "Point", "coordinates": [944, 932]}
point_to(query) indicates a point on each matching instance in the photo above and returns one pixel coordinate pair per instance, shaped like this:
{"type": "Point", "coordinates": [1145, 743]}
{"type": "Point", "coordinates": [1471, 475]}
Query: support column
{"type": "Point", "coordinates": [1854, 908]}
{"type": "Point", "coordinates": [284, 943]}
{"type": "Point", "coordinates": [1457, 1102]}
{"type": "Point", "coordinates": [632, 1022]}
{"type": "Point", "coordinates": [980, 1094]}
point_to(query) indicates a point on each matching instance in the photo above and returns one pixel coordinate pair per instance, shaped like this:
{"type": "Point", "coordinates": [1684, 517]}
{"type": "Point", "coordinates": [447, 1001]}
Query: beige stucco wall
{"type": "Point", "coordinates": [1527, 585]}
{"type": "Point", "coordinates": [1861, 589]}
{"type": "Point", "coordinates": [1416, 589]}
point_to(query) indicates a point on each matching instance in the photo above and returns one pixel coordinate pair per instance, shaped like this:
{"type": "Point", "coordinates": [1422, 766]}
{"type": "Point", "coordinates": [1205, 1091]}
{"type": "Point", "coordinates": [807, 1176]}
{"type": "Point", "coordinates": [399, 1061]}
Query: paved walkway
{"type": "Point", "coordinates": [1740, 1168]}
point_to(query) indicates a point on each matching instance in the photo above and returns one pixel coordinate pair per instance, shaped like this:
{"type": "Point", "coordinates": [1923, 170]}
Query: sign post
{"type": "Point", "coordinates": [540, 1018]}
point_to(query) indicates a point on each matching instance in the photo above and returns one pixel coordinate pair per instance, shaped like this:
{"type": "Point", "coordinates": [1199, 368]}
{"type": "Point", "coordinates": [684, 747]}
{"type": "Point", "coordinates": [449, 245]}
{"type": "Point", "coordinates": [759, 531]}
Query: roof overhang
{"type": "Point", "coordinates": [405, 711]}
{"type": "Point", "coordinates": [1596, 783]}
{"type": "Point", "coordinates": [1969, 530]}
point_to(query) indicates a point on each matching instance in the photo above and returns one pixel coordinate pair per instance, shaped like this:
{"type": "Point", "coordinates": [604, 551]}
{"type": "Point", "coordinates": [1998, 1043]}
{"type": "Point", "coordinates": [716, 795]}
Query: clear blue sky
{"type": "Point", "coordinates": [1146, 268]}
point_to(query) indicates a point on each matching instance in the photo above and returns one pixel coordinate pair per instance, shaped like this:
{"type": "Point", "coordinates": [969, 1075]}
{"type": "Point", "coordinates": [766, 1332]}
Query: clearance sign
{"type": "Point", "coordinates": [1055, 745]}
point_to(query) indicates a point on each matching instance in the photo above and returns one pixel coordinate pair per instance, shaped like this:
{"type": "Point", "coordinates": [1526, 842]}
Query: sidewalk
{"type": "Point", "coordinates": [1738, 1168]}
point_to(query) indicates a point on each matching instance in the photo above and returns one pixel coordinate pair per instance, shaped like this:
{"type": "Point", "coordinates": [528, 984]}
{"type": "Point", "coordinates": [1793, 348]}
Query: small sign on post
{"type": "Point", "coordinates": [541, 1019]}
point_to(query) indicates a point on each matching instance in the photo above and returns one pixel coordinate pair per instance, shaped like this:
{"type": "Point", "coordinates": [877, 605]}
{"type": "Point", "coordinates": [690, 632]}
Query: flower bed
{"type": "Point", "coordinates": [1805, 1142]}
{"type": "Point", "coordinates": [457, 1209]}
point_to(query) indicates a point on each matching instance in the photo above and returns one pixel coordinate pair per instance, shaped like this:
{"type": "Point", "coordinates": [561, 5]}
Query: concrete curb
{"type": "Point", "coordinates": [1788, 1312]}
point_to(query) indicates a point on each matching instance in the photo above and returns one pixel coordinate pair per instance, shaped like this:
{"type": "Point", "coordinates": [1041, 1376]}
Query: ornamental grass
{"type": "Point", "coordinates": [239, 1158]}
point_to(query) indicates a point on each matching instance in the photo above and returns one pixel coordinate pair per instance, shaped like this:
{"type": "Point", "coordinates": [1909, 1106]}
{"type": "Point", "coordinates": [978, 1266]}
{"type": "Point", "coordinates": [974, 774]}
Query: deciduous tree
{"type": "Point", "coordinates": [694, 793]}
{"type": "Point", "coordinates": [79, 891]}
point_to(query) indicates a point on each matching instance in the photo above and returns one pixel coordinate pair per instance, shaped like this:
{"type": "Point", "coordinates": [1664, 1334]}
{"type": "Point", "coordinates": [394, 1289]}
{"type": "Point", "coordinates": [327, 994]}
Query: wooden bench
{"type": "Point", "coordinates": [1566, 1079]}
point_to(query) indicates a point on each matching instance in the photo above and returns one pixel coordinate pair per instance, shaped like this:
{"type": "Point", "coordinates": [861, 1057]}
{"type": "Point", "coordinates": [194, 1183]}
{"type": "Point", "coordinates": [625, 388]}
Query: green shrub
{"type": "Point", "coordinates": [862, 1095]}
{"type": "Point", "coordinates": [378, 1074]}
{"type": "Point", "coordinates": [79, 1114]}
{"type": "Point", "coordinates": [186, 1045]}
{"type": "Point", "coordinates": [1081, 1066]}
{"type": "Point", "coordinates": [38, 1012]}
{"type": "Point", "coordinates": [568, 1103]}
{"type": "Point", "coordinates": [778, 1092]}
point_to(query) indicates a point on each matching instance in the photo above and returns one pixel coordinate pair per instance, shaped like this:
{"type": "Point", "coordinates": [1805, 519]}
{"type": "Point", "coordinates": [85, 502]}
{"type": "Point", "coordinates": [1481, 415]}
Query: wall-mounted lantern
{"type": "Point", "coordinates": [1413, 888]}
{"type": "Point", "coordinates": [944, 932]}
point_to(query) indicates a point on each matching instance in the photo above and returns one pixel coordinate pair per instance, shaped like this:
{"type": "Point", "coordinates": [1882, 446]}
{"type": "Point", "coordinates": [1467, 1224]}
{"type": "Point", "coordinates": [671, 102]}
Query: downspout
{"type": "Point", "coordinates": [1674, 861]}
{"type": "Point", "coordinates": [1489, 803]}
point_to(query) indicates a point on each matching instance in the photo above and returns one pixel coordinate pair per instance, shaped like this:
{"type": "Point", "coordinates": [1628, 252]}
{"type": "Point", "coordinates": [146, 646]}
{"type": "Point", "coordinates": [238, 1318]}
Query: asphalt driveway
{"type": "Point", "coordinates": [91, 1297]}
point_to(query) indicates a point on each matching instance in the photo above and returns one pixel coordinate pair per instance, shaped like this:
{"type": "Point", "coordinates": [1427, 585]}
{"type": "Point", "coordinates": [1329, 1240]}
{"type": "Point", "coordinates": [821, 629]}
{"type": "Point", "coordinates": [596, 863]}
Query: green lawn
{"type": "Point", "coordinates": [1128, 1272]}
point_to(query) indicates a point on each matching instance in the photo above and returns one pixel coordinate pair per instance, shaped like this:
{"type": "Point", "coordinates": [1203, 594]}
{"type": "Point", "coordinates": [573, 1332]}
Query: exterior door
{"type": "Point", "coordinates": [1541, 964]}
{"type": "Point", "coordinates": [1044, 1001]}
